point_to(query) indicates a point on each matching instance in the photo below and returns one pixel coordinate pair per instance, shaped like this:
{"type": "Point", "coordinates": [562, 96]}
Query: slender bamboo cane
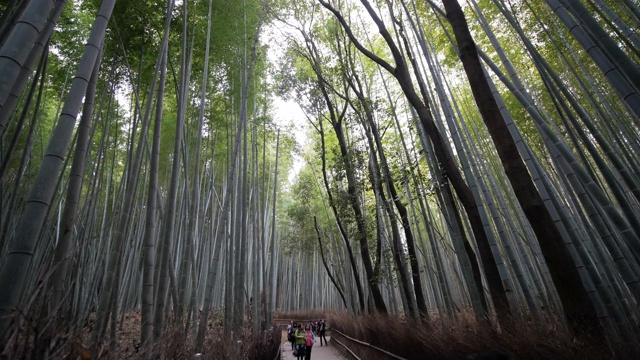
{"type": "Point", "coordinates": [21, 247]}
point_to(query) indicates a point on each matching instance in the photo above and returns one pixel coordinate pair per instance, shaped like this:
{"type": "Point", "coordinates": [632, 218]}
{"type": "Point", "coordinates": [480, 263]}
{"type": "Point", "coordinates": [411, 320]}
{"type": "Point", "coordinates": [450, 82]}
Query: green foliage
{"type": "Point", "coordinates": [306, 204]}
{"type": "Point", "coordinates": [314, 71]}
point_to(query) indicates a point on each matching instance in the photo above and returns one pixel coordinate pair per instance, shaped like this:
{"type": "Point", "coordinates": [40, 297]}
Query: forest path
{"type": "Point", "coordinates": [326, 352]}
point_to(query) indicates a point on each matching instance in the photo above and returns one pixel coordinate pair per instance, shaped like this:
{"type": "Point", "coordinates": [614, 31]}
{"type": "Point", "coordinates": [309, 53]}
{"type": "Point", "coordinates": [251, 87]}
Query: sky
{"type": "Point", "coordinates": [287, 114]}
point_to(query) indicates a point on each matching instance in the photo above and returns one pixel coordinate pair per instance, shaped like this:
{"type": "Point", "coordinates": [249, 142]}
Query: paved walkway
{"type": "Point", "coordinates": [326, 352]}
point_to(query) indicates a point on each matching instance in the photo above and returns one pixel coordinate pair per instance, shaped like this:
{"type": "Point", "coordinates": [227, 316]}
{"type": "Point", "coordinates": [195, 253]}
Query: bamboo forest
{"type": "Point", "coordinates": [437, 179]}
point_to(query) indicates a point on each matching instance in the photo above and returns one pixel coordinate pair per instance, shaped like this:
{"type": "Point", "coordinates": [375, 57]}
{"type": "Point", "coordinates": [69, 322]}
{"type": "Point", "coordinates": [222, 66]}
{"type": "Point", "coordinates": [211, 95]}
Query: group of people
{"type": "Point", "coordinates": [302, 339]}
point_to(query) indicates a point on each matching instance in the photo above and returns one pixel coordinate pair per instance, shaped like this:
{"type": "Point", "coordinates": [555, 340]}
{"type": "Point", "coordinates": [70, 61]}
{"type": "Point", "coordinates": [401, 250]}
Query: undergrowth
{"type": "Point", "coordinates": [464, 339]}
{"type": "Point", "coordinates": [28, 344]}
{"type": "Point", "coordinates": [410, 339]}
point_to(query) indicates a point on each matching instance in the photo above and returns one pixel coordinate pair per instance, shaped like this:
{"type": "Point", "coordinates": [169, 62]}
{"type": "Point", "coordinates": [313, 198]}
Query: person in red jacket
{"type": "Point", "coordinates": [309, 340]}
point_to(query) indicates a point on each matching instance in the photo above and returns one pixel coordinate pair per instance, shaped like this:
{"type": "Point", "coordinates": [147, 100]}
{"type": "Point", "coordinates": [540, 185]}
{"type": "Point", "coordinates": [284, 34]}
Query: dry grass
{"type": "Point", "coordinates": [313, 314]}
{"type": "Point", "coordinates": [175, 344]}
{"type": "Point", "coordinates": [407, 338]}
{"type": "Point", "coordinates": [410, 339]}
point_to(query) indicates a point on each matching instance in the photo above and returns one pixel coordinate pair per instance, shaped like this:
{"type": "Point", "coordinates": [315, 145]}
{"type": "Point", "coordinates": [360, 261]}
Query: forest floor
{"type": "Point", "coordinates": [174, 346]}
{"type": "Point", "coordinates": [520, 340]}
{"type": "Point", "coordinates": [128, 336]}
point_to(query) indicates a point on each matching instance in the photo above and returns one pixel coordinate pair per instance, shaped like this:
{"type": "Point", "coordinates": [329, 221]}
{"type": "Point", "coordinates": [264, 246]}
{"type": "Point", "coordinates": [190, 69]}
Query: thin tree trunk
{"type": "Point", "coordinates": [21, 247]}
{"type": "Point", "coordinates": [62, 251]}
{"type": "Point", "coordinates": [324, 262]}
{"type": "Point", "coordinates": [15, 50]}
{"type": "Point", "coordinates": [150, 235]}
{"type": "Point", "coordinates": [272, 239]}
{"type": "Point", "coordinates": [442, 151]}
{"type": "Point", "coordinates": [27, 68]}
{"type": "Point", "coordinates": [565, 275]}
{"type": "Point", "coordinates": [395, 197]}
{"type": "Point", "coordinates": [617, 68]}
{"type": "Point", "coordinates": [26, 155]}
{"type": "Point", "coordinates": [222, 220]}
{"type": "Point", "coordinates": [121, 226]}
{"type": "Point", "coordinates": [339, 222]}
{"type": "Point", "coordinates": [169, 219]}
{"type": "Point", "coordinates": [194, 216]}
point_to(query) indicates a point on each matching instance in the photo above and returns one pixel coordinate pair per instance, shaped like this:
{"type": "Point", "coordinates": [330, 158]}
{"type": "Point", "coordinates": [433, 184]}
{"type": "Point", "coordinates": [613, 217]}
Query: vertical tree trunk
{"type": "Point", "coordinates": [270, 288]}
{"type": "Point", "coordinates": [324, 262]}
{"type": "Point", "coordinates": [565, 275]}
{"type": "Point", "coordinates": [27, 68]}
{"type": "Point", "coordinates": [21, 247]}
{"type": "Point", "coordinates": [150, 235]}
{"type": "Point", "coordinates": [62, 251]}
{"type": "Point", "coordinates": [193, 214]}
{"type": "Point", "coordinates": [8, 15]}
{"type": "Point", "coordinates": [622, 74]}
{"type": "Point", "coordinates": [15, 49]}
{"type": "Point", "coordinates": [398, 250]}
{"type": "Point", "coordinates": [442, 151]}
{"type": "Point", "coordinates": [339, 223]}
{"type": "Point", "coordinates": [226, 200]}
{"type": "Point", "coordinates": [395, 197]}
{"type": "Point", "coordinates": [8, 211]}
{"type": "Point", "coordinates": [169, 219]}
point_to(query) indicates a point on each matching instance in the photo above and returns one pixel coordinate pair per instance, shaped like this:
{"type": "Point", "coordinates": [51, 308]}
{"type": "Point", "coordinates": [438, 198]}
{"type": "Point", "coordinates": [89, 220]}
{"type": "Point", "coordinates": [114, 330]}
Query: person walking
{"type": "Point", "coordinates": [309, 339]}
{"type": "Point", "coordinates": [322, 329]}
{"type": "Point", "coordinates": [300, 343]}
{"type": "Point", "coordinates": [291, 333]}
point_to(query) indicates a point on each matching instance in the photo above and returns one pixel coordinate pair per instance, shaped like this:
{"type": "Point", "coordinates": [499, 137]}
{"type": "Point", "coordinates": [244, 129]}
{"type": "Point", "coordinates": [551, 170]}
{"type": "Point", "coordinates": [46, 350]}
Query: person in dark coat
{"type": "Point", "coordinates": [322, 329]}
